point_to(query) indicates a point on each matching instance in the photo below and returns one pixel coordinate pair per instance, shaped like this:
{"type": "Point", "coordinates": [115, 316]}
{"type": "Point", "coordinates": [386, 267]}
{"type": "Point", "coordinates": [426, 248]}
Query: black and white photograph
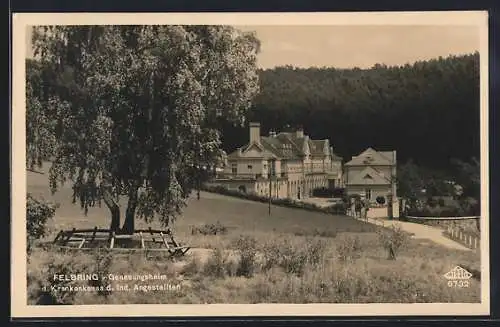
{"type": "Point", "coordinates": [248, 163]}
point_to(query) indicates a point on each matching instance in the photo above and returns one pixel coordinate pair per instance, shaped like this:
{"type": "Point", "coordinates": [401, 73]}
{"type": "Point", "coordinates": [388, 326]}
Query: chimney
{"type": "Point", "coordinates": [299, 132]}
{"type": "Point", "coordinates": [254, 132]}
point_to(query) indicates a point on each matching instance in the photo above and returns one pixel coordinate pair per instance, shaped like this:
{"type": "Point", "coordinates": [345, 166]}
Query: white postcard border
{"type": "Point", "coordinates": [21, 21]}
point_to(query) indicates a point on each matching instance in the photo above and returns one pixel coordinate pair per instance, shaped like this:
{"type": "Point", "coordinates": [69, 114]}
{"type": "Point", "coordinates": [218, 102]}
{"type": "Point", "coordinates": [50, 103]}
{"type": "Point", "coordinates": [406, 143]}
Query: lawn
{"type": "Point", "coordinates": [291, 255]}
{"type": "Point", "coordinates": [238, 215]}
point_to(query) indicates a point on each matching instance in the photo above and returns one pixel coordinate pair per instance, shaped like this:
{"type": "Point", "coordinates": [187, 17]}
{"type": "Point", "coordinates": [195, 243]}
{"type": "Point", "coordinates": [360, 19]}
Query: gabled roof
{"type": "Point", "coordinates": [373, 157]}
{"type": "Point", "coordinates": [261, 152]}
{"type": "Point", "coordinates": [369, 176]}
{"type": "Point", "coordinates": [286, 145]}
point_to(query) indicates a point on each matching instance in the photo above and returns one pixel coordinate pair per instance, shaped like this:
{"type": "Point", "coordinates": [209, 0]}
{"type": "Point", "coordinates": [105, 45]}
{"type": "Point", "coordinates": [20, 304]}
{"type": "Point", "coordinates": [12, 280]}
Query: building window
{"type": "Point", "coordinates": [368, 194]}
{"type": "Point", "coordinates": [250, 167]}
{"type": "Point", "coordinates": [234, 169]}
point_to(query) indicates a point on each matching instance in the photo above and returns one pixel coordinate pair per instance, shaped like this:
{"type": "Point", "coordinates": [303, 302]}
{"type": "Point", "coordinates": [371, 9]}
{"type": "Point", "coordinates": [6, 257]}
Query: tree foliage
{"type": "Point", "coordinates": [135, 110]}
{"type": "Point", "coordinates": [468, 177]}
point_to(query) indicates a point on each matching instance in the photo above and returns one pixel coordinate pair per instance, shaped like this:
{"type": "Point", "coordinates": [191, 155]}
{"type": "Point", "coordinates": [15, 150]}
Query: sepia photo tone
{"type": "Point", "coordinates": [254, 162]}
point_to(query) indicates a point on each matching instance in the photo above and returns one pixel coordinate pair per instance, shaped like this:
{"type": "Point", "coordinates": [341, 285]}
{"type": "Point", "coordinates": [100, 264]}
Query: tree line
{"type": "Point", "coordinates": [427, 111]}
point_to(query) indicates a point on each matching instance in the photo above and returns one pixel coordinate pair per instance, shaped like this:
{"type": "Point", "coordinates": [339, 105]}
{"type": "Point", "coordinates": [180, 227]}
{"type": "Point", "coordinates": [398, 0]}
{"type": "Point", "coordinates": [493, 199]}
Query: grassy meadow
{"type": "Point", "coordinates": [290, 256]}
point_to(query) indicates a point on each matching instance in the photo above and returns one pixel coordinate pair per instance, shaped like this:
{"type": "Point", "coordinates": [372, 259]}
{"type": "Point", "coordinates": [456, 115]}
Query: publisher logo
{"type": "Point", "coordinates": [458, 277]}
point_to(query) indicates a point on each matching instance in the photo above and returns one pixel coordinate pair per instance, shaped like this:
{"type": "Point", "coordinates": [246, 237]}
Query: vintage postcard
{"type": "Point", "coordinates": [263, 164]}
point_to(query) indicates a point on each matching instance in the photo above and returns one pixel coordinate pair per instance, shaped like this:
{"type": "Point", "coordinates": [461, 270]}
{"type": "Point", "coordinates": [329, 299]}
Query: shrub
{"type": "Point", "coordinates": [392, 240]}
{"type": "Point", "coordinates": [349, 248]}
{"type": "Point", "coordinates": [380, 200]}
{"type": "Point", "coordinates": [38, 213]}
{"type": "Point", "coordinates": [338, 192]}
{"type": "Point", "coordinates": [216, 264]}
{"type": "Point", "coordinates": [322, 192]}
{"type": "Point", "coordinates": [282, 254]}
{"type": "Point", "coordinates": [292, 260]}
{"type": "Point", "coordinates": [315, 250]}
{"type": "Point", "coordinates": [210, 229]}
{"type": "Point", "coordinates": [337, 209]}
{"type": "Point", "coordinates": [247, 248]}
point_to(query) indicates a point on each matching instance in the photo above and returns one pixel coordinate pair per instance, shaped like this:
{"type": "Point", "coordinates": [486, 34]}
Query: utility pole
{"type": "Point", "coordinates": [271, 174]}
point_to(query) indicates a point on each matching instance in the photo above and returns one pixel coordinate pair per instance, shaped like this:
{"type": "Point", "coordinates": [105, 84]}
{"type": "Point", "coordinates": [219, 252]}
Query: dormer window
{"type": "Point", "coordinates": [368, 159]}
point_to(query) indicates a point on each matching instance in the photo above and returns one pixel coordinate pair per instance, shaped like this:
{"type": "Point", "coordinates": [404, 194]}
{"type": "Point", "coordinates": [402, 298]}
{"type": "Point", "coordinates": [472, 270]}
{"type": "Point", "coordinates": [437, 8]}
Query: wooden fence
{"type": "Point", "coordinates": [468, 239]}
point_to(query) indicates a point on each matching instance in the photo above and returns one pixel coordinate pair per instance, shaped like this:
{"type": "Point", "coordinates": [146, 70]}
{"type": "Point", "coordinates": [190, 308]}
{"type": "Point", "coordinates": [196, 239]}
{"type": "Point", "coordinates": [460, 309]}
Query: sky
{"type": "Point", "coordinates": [360, 46]}
{"type": "Point", "coordinates": [348, 46]}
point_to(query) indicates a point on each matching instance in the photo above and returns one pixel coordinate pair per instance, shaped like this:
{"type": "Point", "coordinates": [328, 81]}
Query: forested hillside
{"type": "Point", "coordinates": [428, 111]}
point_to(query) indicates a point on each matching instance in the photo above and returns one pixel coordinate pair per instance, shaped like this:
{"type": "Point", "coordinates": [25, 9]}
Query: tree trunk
{"type": "Point", "coordinates": [114, 209]}
{"type": "Point", "coordinates": [129, 223]}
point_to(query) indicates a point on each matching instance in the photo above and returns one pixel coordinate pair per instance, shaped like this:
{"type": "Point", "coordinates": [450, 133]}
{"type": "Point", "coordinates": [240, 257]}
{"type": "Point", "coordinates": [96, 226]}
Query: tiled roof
{"type": "Point", "coordinates": [373, 157]}
{"type": "Point", "coordinates": [369, 176]}
{"type": "Point", "coordinates": [240, 152]}
{"type": "Point", "coordinates": [287, 145]}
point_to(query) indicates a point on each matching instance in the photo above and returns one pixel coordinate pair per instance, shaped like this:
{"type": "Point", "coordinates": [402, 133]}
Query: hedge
{"type": "Point", "coordinates": [336, 209]}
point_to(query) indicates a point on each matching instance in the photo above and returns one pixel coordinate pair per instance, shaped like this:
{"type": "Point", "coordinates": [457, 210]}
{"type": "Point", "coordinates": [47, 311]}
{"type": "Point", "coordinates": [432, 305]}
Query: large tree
{"type": "Point", "coordinates": [137, 110]}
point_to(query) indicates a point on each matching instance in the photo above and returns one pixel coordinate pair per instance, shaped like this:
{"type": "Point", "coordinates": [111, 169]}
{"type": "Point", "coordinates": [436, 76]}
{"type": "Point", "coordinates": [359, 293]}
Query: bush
{"type": "Point", "coordinates": [216, 265]}
{"type": "Point", "coordinates": [349, 248]}
{"type": "Point", "coordinates": [380, 200]}
{"type": "Point", "coordinates": [337, 209]}
{"type": "Point", "coordinates": [338, 192]}
{"type": "Point", "coordinates": [322, 192]}
{"type": "Point", "coordinates": [247, 248]}
{"type": "Point", "coordinates": [38, 213]}
{"type": "Point", "coordinates": [291, 258]}
{"type": "Point", "coordinates": [315, 251]}
{"type": "Point", "coordinates": [392, 240]}
{"type": "Point", "coordinates": [209, 229]}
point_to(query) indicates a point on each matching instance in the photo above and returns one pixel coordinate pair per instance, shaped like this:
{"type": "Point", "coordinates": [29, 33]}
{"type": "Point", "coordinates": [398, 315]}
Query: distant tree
{"type": "Point", "coordinates": [137, 109]}
{"type": "Point", "coordinates": [468, 177]}
{"type": "Point", "coordinates": [410, 181]}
